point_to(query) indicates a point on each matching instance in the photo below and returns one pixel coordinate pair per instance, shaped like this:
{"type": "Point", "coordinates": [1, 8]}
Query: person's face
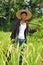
{"type": "Point", "coordinates": [23, 16]}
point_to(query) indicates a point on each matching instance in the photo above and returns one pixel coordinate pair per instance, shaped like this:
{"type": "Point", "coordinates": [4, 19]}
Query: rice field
{"type": "Point", "coordinates": [33, 49]}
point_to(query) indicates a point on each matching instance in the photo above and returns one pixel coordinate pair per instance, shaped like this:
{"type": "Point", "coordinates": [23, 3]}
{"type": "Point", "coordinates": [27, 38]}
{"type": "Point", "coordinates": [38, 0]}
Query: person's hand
{"type": "Point", "coordinates": [38, 26]}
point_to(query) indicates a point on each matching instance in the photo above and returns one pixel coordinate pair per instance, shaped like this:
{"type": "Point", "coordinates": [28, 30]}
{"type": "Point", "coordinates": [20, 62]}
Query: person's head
{"type": "Point", "coordinates": [23, 15]}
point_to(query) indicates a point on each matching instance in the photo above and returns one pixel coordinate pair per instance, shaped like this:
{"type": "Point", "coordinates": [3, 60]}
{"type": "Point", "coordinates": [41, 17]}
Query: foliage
{"type": "Point", "coordinates": [9, 8]}
{"type": "Point", "coordinates": [33, 50]}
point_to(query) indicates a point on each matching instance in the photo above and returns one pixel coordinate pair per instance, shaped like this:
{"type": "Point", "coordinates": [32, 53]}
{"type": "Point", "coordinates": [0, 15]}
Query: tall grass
{"type": "Point", "coordinates": [32, 55]}
{"type": "Point", "coordinates": [33, 49]}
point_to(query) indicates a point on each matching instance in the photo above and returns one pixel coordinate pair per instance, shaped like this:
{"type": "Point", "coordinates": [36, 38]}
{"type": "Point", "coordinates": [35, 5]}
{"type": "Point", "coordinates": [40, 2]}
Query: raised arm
{"type": "Point", "coordinates": [30, 30]}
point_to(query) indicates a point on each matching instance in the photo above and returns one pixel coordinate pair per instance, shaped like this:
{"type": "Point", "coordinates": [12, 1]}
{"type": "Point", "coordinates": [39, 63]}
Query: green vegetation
{"type": "Point", "coordinates": [8, 9]}
{"type": "Point", "coordinates": [33, 51]}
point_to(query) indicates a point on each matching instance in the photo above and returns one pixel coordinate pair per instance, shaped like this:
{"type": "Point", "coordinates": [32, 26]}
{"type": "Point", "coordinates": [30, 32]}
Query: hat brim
{"type": "Point", "coordinates": [29, 14]}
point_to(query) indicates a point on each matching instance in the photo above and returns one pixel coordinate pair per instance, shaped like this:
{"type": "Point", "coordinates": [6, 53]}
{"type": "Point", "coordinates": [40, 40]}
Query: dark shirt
{"type": "Point", "coordinates": [15, 30]}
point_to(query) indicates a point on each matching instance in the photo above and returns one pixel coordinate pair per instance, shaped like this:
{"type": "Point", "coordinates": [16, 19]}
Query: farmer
{"type": "Point", "coordinates": [21, 27]}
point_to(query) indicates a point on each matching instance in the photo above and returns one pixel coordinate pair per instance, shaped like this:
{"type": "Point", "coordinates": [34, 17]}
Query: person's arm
{"type": "Point", "coordinates": [13, 34]}
{"type": "Point", "coordinates": [34, 30]}
{"type": "Point", "coordinates": [31, 30]}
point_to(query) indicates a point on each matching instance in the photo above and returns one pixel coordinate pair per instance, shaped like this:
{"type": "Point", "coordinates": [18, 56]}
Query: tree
{"type": "Point", "coordinates": [8, 9]}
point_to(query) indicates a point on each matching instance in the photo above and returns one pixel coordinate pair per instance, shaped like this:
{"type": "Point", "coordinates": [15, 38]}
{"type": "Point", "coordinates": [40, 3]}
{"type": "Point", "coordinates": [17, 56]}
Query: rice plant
{"type": "Point", "coordinates": [33, 50]}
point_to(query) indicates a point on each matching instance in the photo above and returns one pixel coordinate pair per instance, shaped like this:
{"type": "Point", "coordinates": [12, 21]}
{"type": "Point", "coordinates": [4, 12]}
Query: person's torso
{"type": "Point", "coordinates": [22, 28]}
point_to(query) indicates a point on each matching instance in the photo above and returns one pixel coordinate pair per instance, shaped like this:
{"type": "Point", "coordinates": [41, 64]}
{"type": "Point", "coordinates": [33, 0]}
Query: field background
{"type": "Point", "coordinates": [33, 51]}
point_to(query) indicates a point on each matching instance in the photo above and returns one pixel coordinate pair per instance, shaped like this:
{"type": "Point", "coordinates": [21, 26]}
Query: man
{"type": "Point", "coordinates": [21, 27]}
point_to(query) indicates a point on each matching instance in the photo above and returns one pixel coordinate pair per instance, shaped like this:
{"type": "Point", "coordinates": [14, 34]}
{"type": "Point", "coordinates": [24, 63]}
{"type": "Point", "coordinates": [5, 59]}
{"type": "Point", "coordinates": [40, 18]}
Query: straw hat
{"type": "Point", "coordinates": [29, 15]}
